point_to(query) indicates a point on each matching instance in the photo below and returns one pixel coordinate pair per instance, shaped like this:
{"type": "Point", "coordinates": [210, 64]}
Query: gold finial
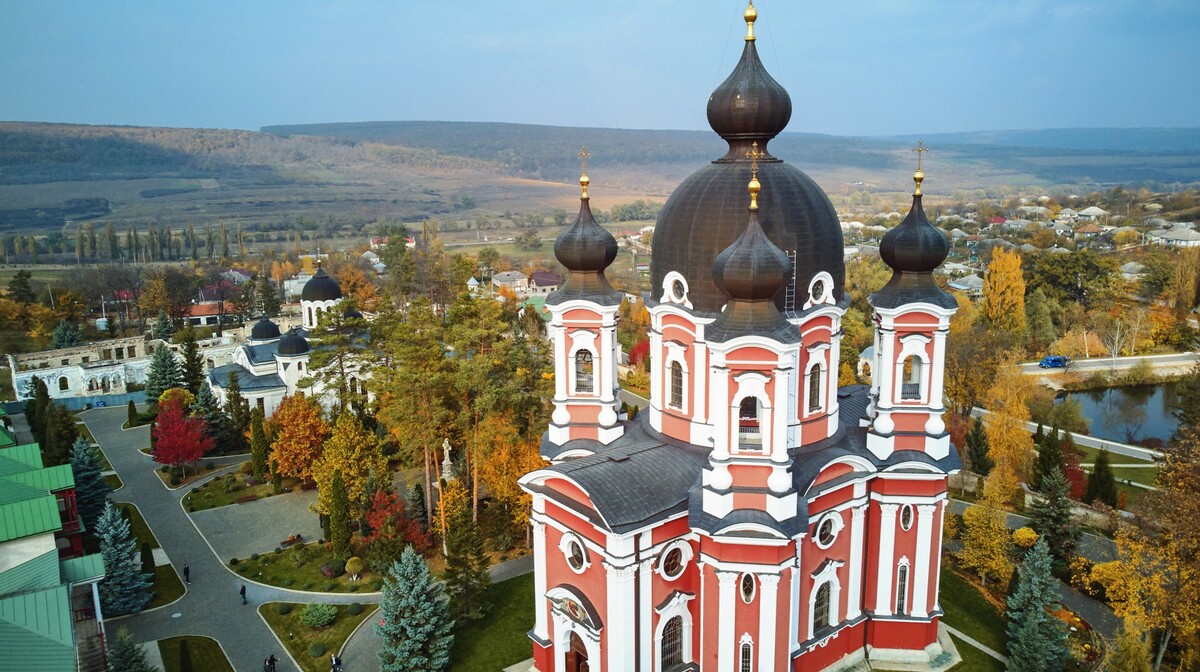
{"type": "Point", "coordinates": [583, 178]}
{"type": "Point", "coordinates": [919, 176]}
{"type": "Point", "coordinates": [754, 155]}
{"type": "Point", "coordinates": [751, 15]}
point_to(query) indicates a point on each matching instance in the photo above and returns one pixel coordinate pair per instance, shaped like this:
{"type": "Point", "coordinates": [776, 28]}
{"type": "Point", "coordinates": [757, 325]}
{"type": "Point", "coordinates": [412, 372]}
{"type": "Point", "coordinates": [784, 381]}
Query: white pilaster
{"type": "Point", "coordinates": [857, 559]}
{"type": "Point", "coordinates": [539, 580]}
{"type": "Point", "coordinates": [887, 544]}
{"type": "Point", "coordinates": [605, 369]}
{"type": "Point", "coordinates": [937, 370]}
{"type": "Point", "coordinates": [937, 575]}
{"type": "Point", "coordinates": [646, 589]}
{"type": "Point", "coordinates": [921, 568]}
{"type": "Point", "coordinates": [727, 646]}
{"type": "Point", "coordinates": [619, 621]}
{"type": "Point", "coordinates": [719, 412]}
{"type": "Point", "coordinates": [794, 607]}
{"type": "Point", "coordinates": [768, 616]}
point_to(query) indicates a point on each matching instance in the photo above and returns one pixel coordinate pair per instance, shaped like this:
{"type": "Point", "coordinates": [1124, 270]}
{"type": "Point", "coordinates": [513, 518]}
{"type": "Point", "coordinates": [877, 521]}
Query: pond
{"type": "Point", "coordinates": [1138, 414]}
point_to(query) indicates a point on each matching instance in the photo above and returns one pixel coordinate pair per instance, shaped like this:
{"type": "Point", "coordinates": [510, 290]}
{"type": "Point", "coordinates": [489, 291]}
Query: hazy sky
{"type": "Point", "coordinates": [855, 68]}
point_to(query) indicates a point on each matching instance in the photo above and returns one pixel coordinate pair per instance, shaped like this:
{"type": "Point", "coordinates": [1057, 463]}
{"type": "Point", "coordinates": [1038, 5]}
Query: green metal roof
{"type": "Point", "coordinates": [55, 478]}
{"type": "Point", "coordinates": [37, 629]}
{"type": "Point", "coordinates": [12, 492]}
{"type": "Point", "coordinates": [28, 517]}
{"type": "Point", "coordinates": [7, 438]}
{"type": "Point", "coordinates": [28, 453]}
{"type": "Point", "coordinates": [80, 570]}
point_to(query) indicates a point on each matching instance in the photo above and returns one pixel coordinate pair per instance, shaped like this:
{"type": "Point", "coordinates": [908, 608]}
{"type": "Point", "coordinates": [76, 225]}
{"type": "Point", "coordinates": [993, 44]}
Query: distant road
{"type": "Point", "coordinates": [1174, 361]}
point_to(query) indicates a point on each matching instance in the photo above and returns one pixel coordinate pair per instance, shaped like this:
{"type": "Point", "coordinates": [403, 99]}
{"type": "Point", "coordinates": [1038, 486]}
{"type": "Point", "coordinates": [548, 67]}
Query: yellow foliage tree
{"type": "Point", "coordinates": [302, 434]}
{"type": "Point", "coordinates": [1004, 293]}
{"type": "Point", "coordinates": [846, 375]}
{"type": "Point", "coordinates": [1024, 537]}
{"type": "Point", "coordinates": [962, 321]}
{"type": "Point", "coordinates": [1009, 443]}
{"type": "Point", "coordinates": [355, 452]}
{"type": "Point", "coordinates": [986, 542]}
{"type": "Point", "coordinates": [185, 397]}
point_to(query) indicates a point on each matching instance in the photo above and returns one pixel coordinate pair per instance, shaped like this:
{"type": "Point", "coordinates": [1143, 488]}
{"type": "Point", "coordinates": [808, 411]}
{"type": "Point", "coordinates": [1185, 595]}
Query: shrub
{"type": "Point", "coordinates": [339, 566]}
{"type": "Point", "coordinates": [307, 585]}
{"type": "Point", "coordinates": [354, 609]}
{"type": "Point", "coordinates": [246, 467]}
{"type": "Point", "coordinates": [316, 649]}
{"type": "Point", "coordinates": [1025, 537]}
{"type": "Point", "coordinates": [327, 570]}
{"type": "Point", "coordinates": [376, 585]}
{"type": "Point", "coordinates": [175, 481]}
{"type": "Point", "coordinates": [166, 469]}
{"type": "Point", "coordinates": [330, 587]}
{"type": "Point", "coordinates": [233, 562]}
{"type": "Point", "coordinates": [317, 615]}
{"type": "Point", "coordinates": [355, 566]}
{"type": "Point", "coordinates": [287, 583]}
{"type": "Point", "coordinates": [353, 588]}
{"type": "Point", "coordinates": [283, 608]}
{"type": "Point", "coordinates": [278, 550]}
{"type": "Point", "coordinates": [210, 465]}
{"type": "Point", "coordinates": [254, 556]}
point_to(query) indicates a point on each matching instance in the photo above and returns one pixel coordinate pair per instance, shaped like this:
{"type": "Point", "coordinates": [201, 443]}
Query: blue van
{"type": "Point", "coordinates": [1054, 362]}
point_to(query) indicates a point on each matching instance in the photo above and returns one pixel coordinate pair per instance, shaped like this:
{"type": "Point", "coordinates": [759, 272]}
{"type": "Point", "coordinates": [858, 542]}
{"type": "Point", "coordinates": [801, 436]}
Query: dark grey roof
{"type": "Point", "coordinates": [264, 330]}
{"type": "Point", "coordinates": [321, 287]}
{"type": "Point", "coordinates": [246, 380]}
{"type": "Point", "coordinates": [585, 249]}
{"type": "Point", "coordinates": [292, 344]}
{"type": "Point", "coordinates": [262, 353]}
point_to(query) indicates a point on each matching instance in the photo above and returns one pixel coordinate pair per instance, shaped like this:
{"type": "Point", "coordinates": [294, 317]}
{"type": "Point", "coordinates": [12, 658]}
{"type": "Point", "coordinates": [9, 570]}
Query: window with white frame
{"type": "Point", "coordinates": [584, 379]}
{"type": "Point", "coordinates": [910, 387]}
{"type": "Point", "coordinates": [814, 389]}
{"type": "Point", "coordinates": [676, 385]}
{"type": "Point", "coordinates": [822, 606]}
{"type": "Point", "coordinates": [746, 655]}
{"type": "Point", "coordinates": [671, 650]}
{"type": "Point", "coordinates": [902, 588]}
{"type": "Point", "coordinates": [749, 432]}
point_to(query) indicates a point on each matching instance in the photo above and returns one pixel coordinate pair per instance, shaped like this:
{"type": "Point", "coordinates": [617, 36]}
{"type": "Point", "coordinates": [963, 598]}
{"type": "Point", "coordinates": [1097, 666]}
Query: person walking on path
{"type": "Point", "coordinates": [187, 573]}
{"type": "Point", "coordinates": [242, 592]}
{"type": "Point", "coordinates": [271, 660]}
{"type": "Point", "coordinates": [335, 663]}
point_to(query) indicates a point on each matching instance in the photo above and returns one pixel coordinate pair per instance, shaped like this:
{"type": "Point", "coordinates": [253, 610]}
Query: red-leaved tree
{"type": "Point", "coordinates": [639, 353]}
{"type": "Point", "coordinates": [178, 438]}
{"type": "Point", "coordinates": [390, 530]}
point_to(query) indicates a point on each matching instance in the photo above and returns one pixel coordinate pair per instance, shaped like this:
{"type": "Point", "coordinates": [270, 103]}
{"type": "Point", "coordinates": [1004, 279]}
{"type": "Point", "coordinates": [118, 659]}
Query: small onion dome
{"type": "Point", "coordinates": [264, 330]}
{"type": "Point", "coordinates": [749, 105]}
{"type": "Point", "coordinates": [585, 249]}
{"type": "Point", "coordinates": [352, 314]}
{"type": "Point", "coordinates": [292, 344]}
{"type": "Point", "coordinates": [913, 250]}
{"type": "Point", "coordinates": [321, 287]}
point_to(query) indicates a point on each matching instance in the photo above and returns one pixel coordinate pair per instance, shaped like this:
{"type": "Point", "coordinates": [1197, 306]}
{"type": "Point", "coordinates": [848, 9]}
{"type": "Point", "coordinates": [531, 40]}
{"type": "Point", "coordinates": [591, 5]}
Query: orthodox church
{"type": "Point", "coordinates": [756, 517]}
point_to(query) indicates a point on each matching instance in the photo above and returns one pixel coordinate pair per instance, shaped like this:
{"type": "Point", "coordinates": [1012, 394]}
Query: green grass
{"type": "Point", "coordinates": [114, 481]}
{"type": "Point", "coordinates": [1088, 455]}
{"type": "Point", "coordinates": [1143, 476]}
{"type": "Point", "coordinates": [298, 637]}
{"type": "Point", "coordinates": [84, 431]}
{"type": "Point", "coordinates": [499, 639]}
{"type": "Point", "coordinates": [974, 660]}
{"type": "Point", "coordinates": [204, 652]}
{"type": "Point", "coordinates": [137, 525]}
{"type": "Point", "coordinates": [167, 586]}
{"type": "Point", "coordinates": [280, 569]}
{"type": "Point", "coordinates": [968, 610]}
{"type": "Point", "coordinates": [226, 490]}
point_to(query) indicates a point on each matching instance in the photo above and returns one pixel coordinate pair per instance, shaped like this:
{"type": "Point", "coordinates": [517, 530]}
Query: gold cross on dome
{"type": "Point", "coordinates": [754, 155]}
{"type": "Point", "coordinates": [920, 149]}
{"type": "Point", "coordinates": [584, 156]}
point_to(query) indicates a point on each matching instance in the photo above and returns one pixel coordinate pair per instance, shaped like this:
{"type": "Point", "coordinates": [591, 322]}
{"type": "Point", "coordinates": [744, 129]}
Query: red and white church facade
{"type": "Point", "coordinates": [755, 517]}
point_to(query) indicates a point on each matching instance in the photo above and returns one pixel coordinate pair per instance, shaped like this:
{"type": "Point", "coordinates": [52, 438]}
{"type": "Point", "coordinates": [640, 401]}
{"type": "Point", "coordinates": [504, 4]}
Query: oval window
{"type": "Point", "coordinates": [748, 588]}
{"type": "Point", "coordinates": [575, 556]}
{"type": "Point", "coordinates": [906, 517]}
{"type": "Point", "coordinates": [672, 563]}
{"type": "Point", "coordinates": [826, 532]}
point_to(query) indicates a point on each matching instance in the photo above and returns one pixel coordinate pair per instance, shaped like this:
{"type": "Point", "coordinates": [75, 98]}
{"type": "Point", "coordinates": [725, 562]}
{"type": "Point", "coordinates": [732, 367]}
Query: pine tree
{"type": "Point", "coordinates": [466, 573]}
{"type": "Point", "coordinates": [237, 410]}
{"type": "Point", "coordinates": [66, 335]}
{"type": "Point", "coordinates": [1131, 653]}
{"type": "Point", "coordinates": [1101, 485]}
{"type": "Point", "coordinates": [124, 589]}
{"type": "Point", "coordinates": [414, 625]}
{"type": "Point", "coordinates": [267, 296]}
{"type": "Point", "coordinates": [339, 517]}
{"type": "Point", "coordinates": [1051, 517]}
{"type": "Point", "coordinates": [258, 445]}
{"type": "Point", "coordinates": [193, 365]}
{"type": "Point", "coordinates": [1037, 638]}
{"type": "Point", "coordinates": [124, 655]}
{"type": "Point", "coordinates": [164, 374]}
{"type": "Point", "coordinates": [162, 326]}
{"type": "Point", "coordinates": [1049, 457]}
{"type": "Point", "coordinates": [977, 449]}
{"type": "Point", "coordinates": [91, 490]}
{"type": "Point", "coordinates": [414, 504]}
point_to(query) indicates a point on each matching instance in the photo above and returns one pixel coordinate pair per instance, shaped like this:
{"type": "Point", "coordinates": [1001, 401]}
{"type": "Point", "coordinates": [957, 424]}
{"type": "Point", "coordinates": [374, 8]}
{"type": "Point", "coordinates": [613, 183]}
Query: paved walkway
{"type": "Point", "coordinates": [238, 530]}
{"type": "Point", "coordinates": [975, 643]}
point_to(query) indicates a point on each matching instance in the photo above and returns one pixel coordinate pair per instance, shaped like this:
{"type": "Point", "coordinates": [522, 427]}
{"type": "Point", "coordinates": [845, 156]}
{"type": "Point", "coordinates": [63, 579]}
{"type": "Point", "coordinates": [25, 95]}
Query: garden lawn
{"type": "Point", "coordinates": [204, 652]}
{"type": "Point", "coordinates": [499, 639]}
{"type": "Point", "coordinates": [137, 525]}
{"type": "Point", "coordinates": [280, 569]}
{"type": "Point", "coordinates": [968, 610]}
{"type": "Point", "coordinates": [1089, 457]}
{"type": "Point", "coordinates": [213, 494]}
{"type": "Point", "coordinates": [114, 482]}
{"type": "Point", "coordinates": [298, 637]}
{"type": "Point", "coordinates": [1135, 474]}
{"type": "Point", "coordinates": [974, 660]}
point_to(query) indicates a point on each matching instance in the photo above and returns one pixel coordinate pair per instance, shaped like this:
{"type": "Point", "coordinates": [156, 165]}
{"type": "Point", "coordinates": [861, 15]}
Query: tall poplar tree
{"type": "Point", "coordinates": [237, 412]}
{"type": "Point", "coordinates": [1003, 305]}
{"type": "Point", "coordinates": [258, 445]}
{"type": "Point", "coordinates": [339, 517]}
{"type": "Point", "coordinates": [193, 365]}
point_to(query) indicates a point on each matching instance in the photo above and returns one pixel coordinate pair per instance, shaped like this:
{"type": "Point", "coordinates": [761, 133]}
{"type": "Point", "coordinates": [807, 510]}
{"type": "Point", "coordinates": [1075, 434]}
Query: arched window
{"type": "Point", "coordinates": [310, 316]}
{"type": "Point", "coordinates": [677, 385]}
{"type": "Point", "coordinates": [902, 589]}
{"type": "Point", "coordinates": [821, 616]}
{"type": "Point", "coordinates": [910, 387]}
{"type": "Point", "coordinates": [747, 657]}
{"type": "Point", "coordinates": [814, 389]}
{"type": "Point", "coordinates": [671, 653]}
{"type": "Point", "coordinates": [64, 384]}
{"type": "Point", "coordinates": [212, 364]}
{"type": "Point", "coordinates": [583, 372]}
{"type": "Point", "coordinates": [749, 435]}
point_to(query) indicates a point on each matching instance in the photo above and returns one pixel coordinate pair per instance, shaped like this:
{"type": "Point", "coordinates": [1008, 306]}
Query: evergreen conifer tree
{"type": "Point", "coordinates": [267, 296]}
{"type": "Point", "coordinates": [124, 655]}
{"type": "Point", "coordinates": [1101, 485]}
{"type": "Point", "coordinates": [59, 435]}
{"type": "Point", "coordinates": [977, 449]}
{"type": "Point", "coordinates": [162, 326]}
{"type": "Point", "coordinates": [466, 573]}
{"type": "Point", "coordinates": [35, 408]}
{"type": "Point", "coordinates": [164, 373]}
{"type": "Point", "coordinates": [258, 445]}
{"type": "Point", "coordinates": [414, 625]}
{"type": "Point", "coordinates": [339, 517]}
{"type": "Point", "coordinates": [66, 335]}
{"type": "Point", "coordinates": [1049, 457]}
{"type": "Point", "coordinates": [414, 505]}
{"type": "Point", "coordinates": [91, 490]}
{"type": "Point", "coordinates": [124, 589]}
{"type": "Point", "coordinates": [132, 415]}
{"type": "Point", "coordinates": [1037, 638]}
{"type": "Point", "coordinates": [1051, 518]}
{"type": "Point", "coordinates": [192, 366]}
{"type": "Point", "coordinates": [237, 410]}
{"type": "Point", "coordinates": [205, 406]}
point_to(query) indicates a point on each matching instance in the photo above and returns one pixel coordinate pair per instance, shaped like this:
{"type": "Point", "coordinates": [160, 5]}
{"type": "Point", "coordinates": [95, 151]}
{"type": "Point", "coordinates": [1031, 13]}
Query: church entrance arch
{"type": "Point", "coordinates": [577, 657]}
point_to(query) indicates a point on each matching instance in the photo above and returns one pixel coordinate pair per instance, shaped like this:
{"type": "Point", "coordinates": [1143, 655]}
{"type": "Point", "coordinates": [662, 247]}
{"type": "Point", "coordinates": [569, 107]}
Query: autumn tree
{"type": "Point", "coordinates": [986, 542]}
{"type": "Point", "coordinates": [504, 458]}
{"type": "Point", "coordinates": [353, 453]}
{"type": "Point", "coordinates": [1003, 306]}
{"type": "Point", "coordinates": [178, 439]}
{"type": "Point", "coordinates": [1009, 444]}
{"type": "Point", "coordinates": [389, 528]}
{"type": "Point", "coordinates": [302, 434]}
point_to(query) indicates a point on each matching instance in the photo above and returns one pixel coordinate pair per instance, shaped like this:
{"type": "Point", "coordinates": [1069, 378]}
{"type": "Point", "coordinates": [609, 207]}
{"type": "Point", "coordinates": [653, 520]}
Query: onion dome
{"type": "Point", "coordinates": [264, 330]}
{"type": "Point", "coordinates": [352, 314]}
{"type": "Point", "coordinates": [751, 272]}
{"type": "Point", "coordinates": [706, 213]}
{"type": "Point", "coordinates": [585, 249]}
{"type": "Point", "coordinates": [292, 344]}
{"type": "Point", "coordinates": [913, 250]}
{"type": "Point", "coordinates": [321, 287]}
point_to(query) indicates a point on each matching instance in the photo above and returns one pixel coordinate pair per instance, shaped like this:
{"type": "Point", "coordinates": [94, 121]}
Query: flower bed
{"type": "Point", "coordinates": [229, 489]}
{"type": "Point", "coordinates": [305, 566]}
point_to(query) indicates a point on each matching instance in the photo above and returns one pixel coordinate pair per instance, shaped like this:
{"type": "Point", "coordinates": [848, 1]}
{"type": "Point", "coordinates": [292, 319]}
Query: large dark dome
{"type": "Point", "coordinates": [292, 344]}
{"type": "Point", "coordinates": [321, 287]}
{"type": "Point", "coordinates": [264, 330]}
{"type": "Point", "coordinates": [708, 211]}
